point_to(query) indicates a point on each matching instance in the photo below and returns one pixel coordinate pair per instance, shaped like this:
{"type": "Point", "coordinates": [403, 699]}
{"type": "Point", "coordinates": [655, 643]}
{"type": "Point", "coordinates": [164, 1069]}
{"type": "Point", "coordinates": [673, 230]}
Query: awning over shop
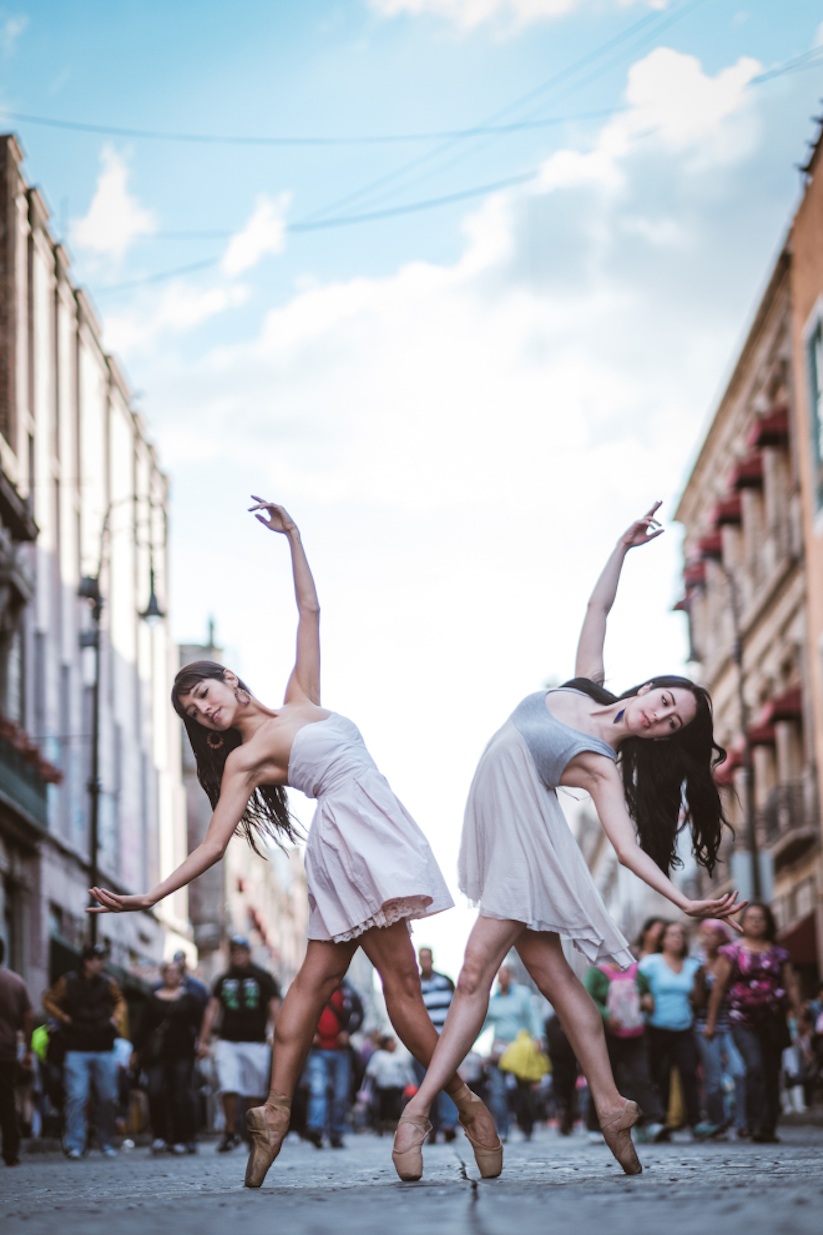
{"type": "Point", "coordinates": [748, 473]}
{"type": "Point", "coordinates": [711, 546]}
{"type": "Point", "coordinates": [770, 429]}
{"type": "Point", "coordinates": [800, 941]}
{"type": "Point", "coordinates": [724, 774]}
{"type": "Point", "coordinates": [788, 705]}
{"type": "Point", "coordinates": [728, 512]}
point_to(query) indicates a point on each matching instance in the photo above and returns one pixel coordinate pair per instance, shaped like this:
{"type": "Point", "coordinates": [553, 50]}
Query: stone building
{"type": "Point", "coordinates": [748, 587]}
{"type": "Point", "coordinates": [805, 245]}
{"type": "Point", "coordinates": [83, 560]}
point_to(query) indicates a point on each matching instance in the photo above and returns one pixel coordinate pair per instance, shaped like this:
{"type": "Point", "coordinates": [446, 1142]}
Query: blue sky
{"type": "Point", "coordinates": [462, 405]}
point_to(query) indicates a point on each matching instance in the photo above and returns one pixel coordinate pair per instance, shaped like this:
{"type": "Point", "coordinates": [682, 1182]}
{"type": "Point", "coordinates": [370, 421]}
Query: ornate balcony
{"type": "Point", "coordinates": [24, 777]}
{"type": "Point", "coordinates": [790, 822]}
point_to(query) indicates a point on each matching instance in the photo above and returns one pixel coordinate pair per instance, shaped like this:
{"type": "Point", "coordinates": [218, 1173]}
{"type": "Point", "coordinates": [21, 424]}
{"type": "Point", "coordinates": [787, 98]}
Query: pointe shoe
{"type": "Point", "coordinates": [409, 1162]}
{"type": "Point", "coordinates": [489, 1161]}
{"type": "Point", "coordinates": [265, 1140]}
{"type": "Point", "coordinates": [618, 1136]}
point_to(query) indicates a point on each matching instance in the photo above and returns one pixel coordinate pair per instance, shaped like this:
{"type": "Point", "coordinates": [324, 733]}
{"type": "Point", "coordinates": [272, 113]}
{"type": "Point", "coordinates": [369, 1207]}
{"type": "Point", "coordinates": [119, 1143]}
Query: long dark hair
{"type": "Point", "coordinates": [673, 774]}
{"type": "Point", "coordinates": [267, 815]}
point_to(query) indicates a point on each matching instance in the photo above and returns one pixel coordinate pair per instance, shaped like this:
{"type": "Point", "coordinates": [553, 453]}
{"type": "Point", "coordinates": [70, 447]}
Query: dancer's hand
{"type": "Point", "coordinates": [110, 902]}
{"type": "Point", "coordinates": [276, 518]}
{"type": "Point", "coordinates": [723, 907]}
{"type": "Point", "coordinates": [642, 530]}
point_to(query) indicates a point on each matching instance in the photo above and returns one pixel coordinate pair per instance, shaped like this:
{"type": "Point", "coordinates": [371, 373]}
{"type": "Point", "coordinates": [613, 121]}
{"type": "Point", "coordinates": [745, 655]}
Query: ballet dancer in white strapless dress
{"type": "Point", "coordinates": [369, 868]}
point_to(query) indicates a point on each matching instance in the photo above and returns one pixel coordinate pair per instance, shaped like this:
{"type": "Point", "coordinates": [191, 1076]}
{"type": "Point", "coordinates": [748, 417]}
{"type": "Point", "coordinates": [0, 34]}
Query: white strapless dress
{"type": "Point", "coordinates": [367, 862]}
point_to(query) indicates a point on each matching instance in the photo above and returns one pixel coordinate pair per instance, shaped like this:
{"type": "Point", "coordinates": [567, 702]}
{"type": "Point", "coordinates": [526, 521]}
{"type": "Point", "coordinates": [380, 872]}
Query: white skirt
{"type": "Point", "coordinates": [519, 860]}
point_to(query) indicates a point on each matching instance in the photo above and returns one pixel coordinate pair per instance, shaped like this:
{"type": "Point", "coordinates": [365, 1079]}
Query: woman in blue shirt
{"type": "Point", "coordinates": [670, 972]}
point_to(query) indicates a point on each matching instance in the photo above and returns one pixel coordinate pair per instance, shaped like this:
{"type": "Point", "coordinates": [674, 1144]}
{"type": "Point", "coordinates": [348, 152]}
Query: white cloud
{"type": "Point", "coordinates": [468, 14]}
{"type": "Point", "coordinates": [264, 233]}
{"type": "Point", "coordinates": [115, 218]}
{"type": "Point", "coordinates": [382, 381]}
{"type": "Point", "coordinates": [669, 92]}
{"type": "Point", "coordinates": [672, 103]}
{"type": "Point", "coordinates": [10, 30]}
{"type": "Point", "coordinates": [178, 308]}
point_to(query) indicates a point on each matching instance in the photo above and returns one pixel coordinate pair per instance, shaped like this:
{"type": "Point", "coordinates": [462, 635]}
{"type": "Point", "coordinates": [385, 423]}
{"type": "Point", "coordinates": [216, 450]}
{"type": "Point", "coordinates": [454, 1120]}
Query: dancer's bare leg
{"type": "Point", "coordinates": [489, 943]}
{"type": "Point", "coordinates": [543, 957]}
{"type": "Point", "coordinates": [324, 967]}
{"type": "Point", "coordinates": [391, 952]}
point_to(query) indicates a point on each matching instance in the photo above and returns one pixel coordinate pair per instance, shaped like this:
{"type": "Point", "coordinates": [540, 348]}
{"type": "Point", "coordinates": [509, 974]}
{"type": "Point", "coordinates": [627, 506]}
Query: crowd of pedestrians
{"type": "Point", "coordinates": [706, 1033]}
{"type": "Point", "coordinates": [709, 1034]}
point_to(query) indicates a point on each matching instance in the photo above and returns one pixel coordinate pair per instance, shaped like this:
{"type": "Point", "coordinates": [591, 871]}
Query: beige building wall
{"type": "Point", "coordinates": [745, 595]}
{"type": "Point", "coordinates": [75, 454]}
{"type": "Point", "coordinates": [806, 247]}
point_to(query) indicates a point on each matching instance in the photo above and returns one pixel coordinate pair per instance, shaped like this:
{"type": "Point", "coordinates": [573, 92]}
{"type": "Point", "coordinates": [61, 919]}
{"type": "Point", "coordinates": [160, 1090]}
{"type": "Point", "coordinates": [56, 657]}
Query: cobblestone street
{"type": "Point", "coordinates": [550, 1184]}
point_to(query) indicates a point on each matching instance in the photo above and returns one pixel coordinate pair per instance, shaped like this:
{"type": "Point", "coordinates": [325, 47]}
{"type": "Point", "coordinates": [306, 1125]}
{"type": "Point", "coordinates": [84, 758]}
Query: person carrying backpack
{"type": "Point", "coordinates": [623, 996]}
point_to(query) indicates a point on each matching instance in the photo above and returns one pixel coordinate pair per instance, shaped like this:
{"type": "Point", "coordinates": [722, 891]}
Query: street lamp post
{"type": "Point", "coordinates": [89, 589]}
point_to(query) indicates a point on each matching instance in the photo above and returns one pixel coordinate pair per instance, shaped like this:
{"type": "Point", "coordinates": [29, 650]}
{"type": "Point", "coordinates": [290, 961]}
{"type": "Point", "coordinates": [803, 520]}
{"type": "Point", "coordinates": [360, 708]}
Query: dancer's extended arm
{"type": "Point", "coordinates": [606, 791]}
{"type": "Point", "coordinates": [304, 681]}
{"type": "Point", "coordinates": [236, 788]}
{"type": "Point", "coordinates": [589, 661]}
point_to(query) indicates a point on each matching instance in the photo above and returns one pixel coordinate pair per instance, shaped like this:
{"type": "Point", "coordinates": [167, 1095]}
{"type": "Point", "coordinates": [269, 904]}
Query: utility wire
{"type": "Point", "coordinates": [496, 117]}
{"type": "Point", "coordinates": [357, 140]}
{"type": "Point", "coordinates": [310, 223]}
{"type": "Point", "coordinates": [341, 221]}
{"type": "Point", "coordinates": [660, 22]}
{"type": "Point", "coordinates": [808, 60]}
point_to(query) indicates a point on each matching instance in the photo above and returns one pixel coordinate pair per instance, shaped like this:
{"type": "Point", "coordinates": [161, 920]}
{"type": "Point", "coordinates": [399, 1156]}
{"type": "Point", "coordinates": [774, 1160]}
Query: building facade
{"type": "Point", "coordinates": [84, 679]}
{"type": "Point", "coordinates": [805, 245]}
{"type": "Point", "coordinates": [746, 595]}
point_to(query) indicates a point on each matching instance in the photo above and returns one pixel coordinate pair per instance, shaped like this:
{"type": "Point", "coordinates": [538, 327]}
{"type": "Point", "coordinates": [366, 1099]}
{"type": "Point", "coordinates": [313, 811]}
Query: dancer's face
{"type": "Point", "coordinates": [659, 711]}
{"type": "Point", "coordinates": [212, 703]}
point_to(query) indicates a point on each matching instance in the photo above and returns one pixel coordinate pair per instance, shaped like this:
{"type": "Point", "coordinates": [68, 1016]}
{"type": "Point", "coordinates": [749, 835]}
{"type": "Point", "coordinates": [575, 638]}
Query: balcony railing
{"type": "Point", "coordinates": [790, 821]}
{"type": "Point", "coordinates": [22, 786]}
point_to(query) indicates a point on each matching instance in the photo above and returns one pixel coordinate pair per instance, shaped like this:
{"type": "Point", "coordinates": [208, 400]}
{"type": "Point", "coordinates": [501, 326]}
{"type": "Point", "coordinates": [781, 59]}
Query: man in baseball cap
{"type": "Point", "coordinates": [247, 999]}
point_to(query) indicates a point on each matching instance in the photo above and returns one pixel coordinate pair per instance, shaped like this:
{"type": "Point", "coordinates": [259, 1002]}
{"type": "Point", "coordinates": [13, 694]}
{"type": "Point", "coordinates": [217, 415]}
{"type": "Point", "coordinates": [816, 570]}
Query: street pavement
{"type": "Point", "coordinates": [550, 1185]}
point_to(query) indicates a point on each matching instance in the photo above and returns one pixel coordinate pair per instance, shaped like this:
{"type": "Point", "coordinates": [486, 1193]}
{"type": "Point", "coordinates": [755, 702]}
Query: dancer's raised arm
{"type": "Point", "coordinates": [589, 661]}
{"type": "Point", "coordinates": [304, 680]}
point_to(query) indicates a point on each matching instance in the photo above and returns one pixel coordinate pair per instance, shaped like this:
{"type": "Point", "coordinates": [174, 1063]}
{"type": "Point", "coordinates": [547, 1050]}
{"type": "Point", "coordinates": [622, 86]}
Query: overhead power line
{"type": "Point", "coordinates": [369, 189]}
{"type": "Point", "coordinates": [347, 220]}
{"type": "Point", "coordinates": [373, 139]}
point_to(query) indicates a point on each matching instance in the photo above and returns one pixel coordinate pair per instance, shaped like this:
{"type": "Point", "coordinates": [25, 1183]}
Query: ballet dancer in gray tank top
{"type": "Point", "coordinates": [640, 756]}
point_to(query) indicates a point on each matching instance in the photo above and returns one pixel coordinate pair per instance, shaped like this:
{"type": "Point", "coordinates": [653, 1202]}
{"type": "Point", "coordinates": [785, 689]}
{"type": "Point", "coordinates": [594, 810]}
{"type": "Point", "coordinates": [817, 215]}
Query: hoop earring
{"type": "Point", "coordinates": [214, 740]}
{"type": "Point", "coordinates": [242, 696]}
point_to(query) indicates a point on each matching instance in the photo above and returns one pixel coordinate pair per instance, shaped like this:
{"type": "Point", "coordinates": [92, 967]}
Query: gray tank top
{"type": "Point", "coordinates": [552, 744]}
